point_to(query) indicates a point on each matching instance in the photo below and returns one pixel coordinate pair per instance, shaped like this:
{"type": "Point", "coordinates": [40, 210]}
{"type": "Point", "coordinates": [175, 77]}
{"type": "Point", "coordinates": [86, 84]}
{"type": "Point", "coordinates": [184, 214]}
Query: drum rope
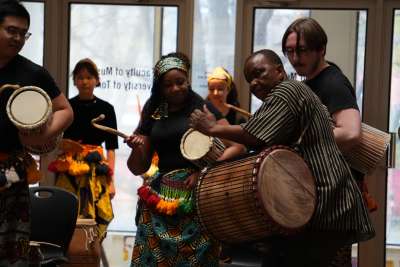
{"type": "Point", "coordinates": [90, 237]}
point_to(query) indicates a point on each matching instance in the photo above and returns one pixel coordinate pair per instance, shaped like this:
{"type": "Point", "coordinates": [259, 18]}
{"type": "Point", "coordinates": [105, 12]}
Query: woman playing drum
{"type": "Point", "coordinates": [168, 231]}
{"type": "Point", "coordinates": [291, 113]}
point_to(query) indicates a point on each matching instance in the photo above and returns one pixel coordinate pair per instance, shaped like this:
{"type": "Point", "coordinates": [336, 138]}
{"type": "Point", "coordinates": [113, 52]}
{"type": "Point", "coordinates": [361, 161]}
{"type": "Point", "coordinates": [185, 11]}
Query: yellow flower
{"type": "Point", "coordinates": [77, 168]}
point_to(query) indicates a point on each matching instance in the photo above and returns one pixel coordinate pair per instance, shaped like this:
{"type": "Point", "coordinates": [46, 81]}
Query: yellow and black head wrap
{"type": "Point", "coordinates": [220, 73]}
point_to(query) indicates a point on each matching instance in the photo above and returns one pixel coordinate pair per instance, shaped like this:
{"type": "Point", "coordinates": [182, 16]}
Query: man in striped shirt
{"type": "Point", "coordinates": [304, 44]}
{"type": "Point", "coordinates": [288, 109]}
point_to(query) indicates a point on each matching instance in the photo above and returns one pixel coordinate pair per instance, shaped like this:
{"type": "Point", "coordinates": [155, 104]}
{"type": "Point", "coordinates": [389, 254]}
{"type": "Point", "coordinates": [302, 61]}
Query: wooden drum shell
{"type": "Point", "coordinates": [231, 201]}
{"type": "Point", "coordinates": [213, 149]}
{"type": "Point", "coordinates": [84, 248]}
{"type": "Point", "coordinates": [371, 149]}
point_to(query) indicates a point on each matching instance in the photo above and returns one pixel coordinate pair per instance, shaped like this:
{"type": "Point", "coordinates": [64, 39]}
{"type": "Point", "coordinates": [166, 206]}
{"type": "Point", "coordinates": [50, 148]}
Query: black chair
{"type": "Point", "coordinates": [54, 212]}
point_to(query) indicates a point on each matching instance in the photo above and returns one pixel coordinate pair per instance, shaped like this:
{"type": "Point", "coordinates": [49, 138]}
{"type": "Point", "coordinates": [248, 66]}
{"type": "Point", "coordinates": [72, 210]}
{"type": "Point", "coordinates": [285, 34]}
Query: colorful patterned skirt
{"type": "Point", "coordinates": [16, 170]}
{"type": "Point", "coordinates": [168, 232]}
{"type": "Point", "coordinates": [86, 174]}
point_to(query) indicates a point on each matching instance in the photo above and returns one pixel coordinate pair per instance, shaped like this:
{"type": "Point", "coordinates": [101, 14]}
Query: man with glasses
{"type": "Point", "coordinates": [17, 71]}
{"type": "Point", "coordinates": [304, 44]}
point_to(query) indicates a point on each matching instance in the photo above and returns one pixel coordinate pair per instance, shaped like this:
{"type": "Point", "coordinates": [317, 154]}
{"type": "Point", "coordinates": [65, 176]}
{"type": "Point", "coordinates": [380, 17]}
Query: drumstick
{"type": "Point", "coordinates": [105, 128]}
{"type": "Point", "coordinates": [242, 111]}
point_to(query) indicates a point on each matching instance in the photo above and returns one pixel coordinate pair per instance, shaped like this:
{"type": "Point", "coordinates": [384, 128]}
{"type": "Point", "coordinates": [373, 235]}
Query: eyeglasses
{"type": "Point", "coordinates": [16, 32]}
{"type": "Point", "coordinates": [289, 52]}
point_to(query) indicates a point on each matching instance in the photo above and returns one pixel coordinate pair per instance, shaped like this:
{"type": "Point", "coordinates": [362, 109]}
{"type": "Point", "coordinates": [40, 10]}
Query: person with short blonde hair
{"type": "Point", "coordinates": [222, 93]}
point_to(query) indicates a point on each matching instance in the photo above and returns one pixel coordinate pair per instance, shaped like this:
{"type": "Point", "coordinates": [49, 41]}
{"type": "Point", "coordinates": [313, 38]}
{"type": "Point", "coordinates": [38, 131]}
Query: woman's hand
{"type": "Point", "coordinates": [134, 140]}
{"type": "Point", "coordinates": [191, 181]}
{"type": "Point", "coordinates": [111, 189]}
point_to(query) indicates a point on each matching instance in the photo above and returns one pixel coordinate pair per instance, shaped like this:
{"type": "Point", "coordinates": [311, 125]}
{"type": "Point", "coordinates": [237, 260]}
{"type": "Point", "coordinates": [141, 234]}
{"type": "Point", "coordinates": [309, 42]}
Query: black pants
{"type": "Point", "coordinates": [303, 250]}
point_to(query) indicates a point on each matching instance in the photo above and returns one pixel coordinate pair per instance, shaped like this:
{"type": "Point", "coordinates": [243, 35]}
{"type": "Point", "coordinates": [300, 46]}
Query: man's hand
{"type": "Point", "coordinates": [203, 121]}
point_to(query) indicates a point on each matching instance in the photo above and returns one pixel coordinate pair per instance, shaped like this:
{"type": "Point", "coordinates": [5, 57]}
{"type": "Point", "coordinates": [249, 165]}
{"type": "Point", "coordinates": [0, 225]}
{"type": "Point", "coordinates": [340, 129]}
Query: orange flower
{"type": "Point", "coordinates": [33, 175]}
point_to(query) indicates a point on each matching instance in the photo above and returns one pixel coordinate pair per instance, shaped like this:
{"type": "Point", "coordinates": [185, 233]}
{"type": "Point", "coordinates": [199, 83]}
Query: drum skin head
{"type": "Point", "coordinates": [194, 144]}
{"type": "Point", "coordinates": [29, 108]}
{"type": "Point", "coordinates": [287, 188]}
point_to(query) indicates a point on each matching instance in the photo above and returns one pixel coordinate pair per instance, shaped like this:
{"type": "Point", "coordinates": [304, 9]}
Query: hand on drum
{"type": "Point", "coordinates": [191, 181]}
{"type": "Point", "coordinates": [202, 121]}
{"type": "Point", "coordinates": [134, 141]}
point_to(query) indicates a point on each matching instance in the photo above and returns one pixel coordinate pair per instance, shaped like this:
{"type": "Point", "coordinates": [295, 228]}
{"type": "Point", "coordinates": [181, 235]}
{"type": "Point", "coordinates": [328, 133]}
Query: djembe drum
{"type": "Point", "coordinates": [29, 108]}
{"type": "Point", "coordinates": [370, 151]}
{"type": "Point", "coordinates": [84, 248]}
{"type": "Point", "coordinates": [201, 149]}
{"type": "Point", "coordinates": [248, 199]}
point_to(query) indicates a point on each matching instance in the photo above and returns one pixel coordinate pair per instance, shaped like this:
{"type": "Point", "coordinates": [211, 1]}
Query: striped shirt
{"type": "Point", "coordinates": [285, 112]}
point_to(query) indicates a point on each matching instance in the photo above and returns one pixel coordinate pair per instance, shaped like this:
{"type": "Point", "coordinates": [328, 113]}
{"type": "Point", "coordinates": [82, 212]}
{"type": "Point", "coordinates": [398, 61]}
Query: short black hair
{"type": "Point", "coordinates": [270, 55]}
{"type": "Point", "coordinates": [13, 8]}
{"type": "Point", "coordinates": [88, 65]}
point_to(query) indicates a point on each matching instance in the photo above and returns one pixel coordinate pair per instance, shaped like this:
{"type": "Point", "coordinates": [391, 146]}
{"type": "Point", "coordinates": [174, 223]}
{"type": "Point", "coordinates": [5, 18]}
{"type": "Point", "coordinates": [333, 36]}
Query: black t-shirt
{"type": "Point", "coordinates": [234, 118]}
{"type": "Point", "coordinates": [334, 89]}
{"type": "Point", "coordinates": [82, 130]}
{"type": "Point", "coordinates": [231, 117]}
{"type": "Point", "coordinates": [23, 72]}
{"type": "Point", "coordinates": [166, 134]}
{"type": "Point", "coordinates": [336, 93]}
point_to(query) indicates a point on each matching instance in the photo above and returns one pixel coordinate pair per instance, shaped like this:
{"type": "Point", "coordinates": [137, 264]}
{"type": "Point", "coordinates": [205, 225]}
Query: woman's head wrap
{"type": "Point", "coordinates": [220, 73]}
{"type": "Point", "coordinates": [169, 63]}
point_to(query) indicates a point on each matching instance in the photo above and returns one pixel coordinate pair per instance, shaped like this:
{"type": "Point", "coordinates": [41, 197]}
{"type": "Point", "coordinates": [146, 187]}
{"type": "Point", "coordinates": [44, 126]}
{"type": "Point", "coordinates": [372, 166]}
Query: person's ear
{"type": "Point", "coordinates": [281, 72]}
{"type": "Point", "coordinates": [323, 51]}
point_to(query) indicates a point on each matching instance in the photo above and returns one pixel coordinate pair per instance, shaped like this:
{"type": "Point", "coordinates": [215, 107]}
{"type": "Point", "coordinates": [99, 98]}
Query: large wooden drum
{"type": "Point", "coordinates": [248, 199]}
{"type": "Point", "coordinates": [84, 248]}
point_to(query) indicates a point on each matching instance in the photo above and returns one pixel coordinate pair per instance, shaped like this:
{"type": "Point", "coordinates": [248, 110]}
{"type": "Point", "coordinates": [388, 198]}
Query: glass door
{"type": "Point", "coordinates": [33, 48]}
{"type": "Point", "coordinates": [124, 41]}
{"type": "Point", "coordinates": [346, 48]}
{"type": "Point", "coordinates": [346, 30]}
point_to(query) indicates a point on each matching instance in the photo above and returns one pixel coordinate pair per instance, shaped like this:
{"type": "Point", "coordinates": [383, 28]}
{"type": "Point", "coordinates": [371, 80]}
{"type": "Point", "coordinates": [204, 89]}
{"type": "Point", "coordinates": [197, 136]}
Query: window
{"type": "Point", "coordinates": [393, 188]}
{"type": "Point", "coordinates": [213, 41]}
{"type": "Point", "coordinates": [33, 48]}
{"type": "Point", "coordinates": [122, 41]}
{"type": "Point", "coordinates": [270, 25]}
